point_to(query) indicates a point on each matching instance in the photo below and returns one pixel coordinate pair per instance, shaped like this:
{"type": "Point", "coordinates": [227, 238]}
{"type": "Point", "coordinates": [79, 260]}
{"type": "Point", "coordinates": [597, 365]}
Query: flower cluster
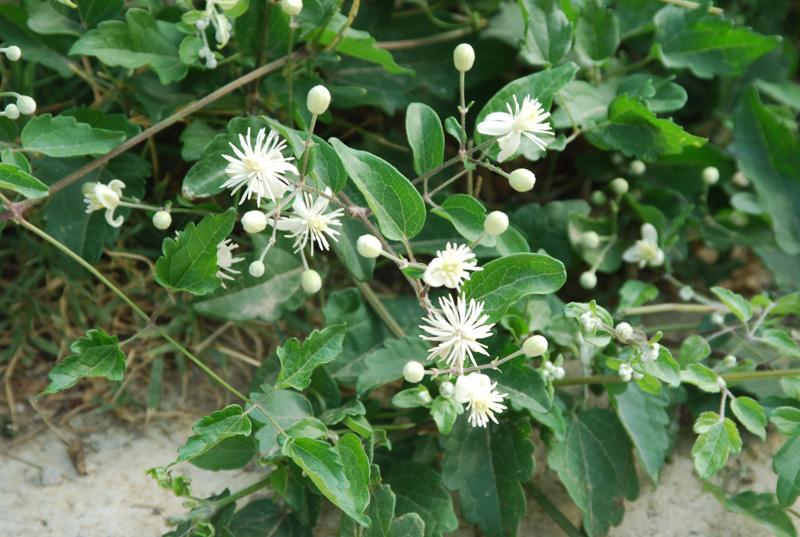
{"type": "Point", "coordinates": [213, 15]}
{"type": "Point", "coordinates": [481, 398]}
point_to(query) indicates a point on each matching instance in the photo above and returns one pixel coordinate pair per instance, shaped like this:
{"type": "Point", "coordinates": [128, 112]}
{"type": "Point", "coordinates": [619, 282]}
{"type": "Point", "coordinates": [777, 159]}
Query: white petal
{"type": "Point", "coordinates": [632, 254]}
{"type": "Point", "coordinates": [649, 233]}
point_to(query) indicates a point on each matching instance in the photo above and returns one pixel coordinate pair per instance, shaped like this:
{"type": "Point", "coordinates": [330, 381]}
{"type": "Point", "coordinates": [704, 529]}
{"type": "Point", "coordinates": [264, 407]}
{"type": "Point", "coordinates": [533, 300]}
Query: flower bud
{"type": "Point", "coordinates": [558, 373]}
{"type": "Point", "coordinates": [650, 352]}
{"type": "Point", "coordinates": [11, 111]}
{"type": "Point", "coordinates": [624, 332]}
{"type": "Point", "coordinates": [256, 269]}
{"type": "Point", "coordinates": [311, 281]}
{"type": "Point", "coordinates": [369, 246]}
{"type": "Point", "coordinates": [598, 198]}
{"type": "Point", "coordinates": [739, 219]}
{"type": "Point", "coordinates": [588, 280]}
{"type": "Point", "coordinates": [721, 383]}
{"type": "Point", "coordinates": [590, 239]}
{"type": "Point", "coordinates": [740, 180]}
{"type": "Point", "coordinates": [625, 372]}
{"type": "Point", "coordinates": [686, 293]}
{"type": "Point", "coordinates": [522, 180]}
{"type": "Point", "coordinates": [201, 24]}
{"type": "Point", "coordinates": [446, 389]}
{"type": "Point", "coordinates": [710, 175]}
{"type": "Point", "coordinates": [464, 57]}
{"type": "Point", "coordinates": [496, 223]}
{"type": "Point", "coordinates": [730, 360]}
{"type": "Point", "coordinates": [413, 372]}
{"type": "Point", "coordinates": [13, 52]}
{"type": "Point", "coordinates": [211, 61]}
{"type": "Point", "coordinates": [318, 100]}
{"type": "Point", "coordinates": [718, 318]}
{"type": "Point", "coordinates": [162, 220]}
{"type": "Point", "coordinates": [534, 346]}
{"type": "Point", "coordinates": [292, 7]}
{"type": "Point", "coordinates": [638, 167]}
{"type": "Point", "coordinates": [619, 186]}
{"type": "Point", "coordinates": [254, 221]}
{"type": "Point", "coordinates": [26, 105]}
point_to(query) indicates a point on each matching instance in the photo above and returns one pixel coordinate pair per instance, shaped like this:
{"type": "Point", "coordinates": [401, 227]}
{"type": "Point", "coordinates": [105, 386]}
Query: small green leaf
{"type": "Point", "coordinates": [693, 349]}
{"type": "Point", "coordinates": [760, 508]}
{"type": "Point", "coordinates": [231, 453]}
{"type": "Point", "coordinates": [354, 407]}
{"type": "Point", "coordinates": [751, 415]}
{"type": "Point", "coordinates": [141, 40]}
{"type": "Point", "coordinates": [286, 408]}
{"type": "Point", "coordinates": [548, 32]}
{"type": "Point", "coordinates": [786, 419]}
{"type": "Point", "coordinates": [444, 412]}
{"type": "Point", "coordinates": [262, 518]}
{"type": "Point", "coordinates": [425, 136]}
{"type": "Point", "coordinates": [702, 377]}
{"type": "Point", "coordinates": [13, 178]}
{"type": "Point", "coordinates": [787, 465]}
{"type": "Point", "coordinates": [718, 438]}
{"type": "Point", "coordinates": [736, 303]}
{"type": "Point", "coordinates": [213, 429]}
{"type": "Point", "coordinates": [663, 368]}
{"type": "Point", "coordinates": [415, 273]}
{"type": "Point", "coordinates": [780, 339]}
{"type": "Point", "coordinates": [190, 263]}
{"type": "Point", "coordinates": [597, 32]}
{"type": "Point", "coordinates": [467, 215]}
{"type": "Point", "coordinates": [394, 200]}
{"type": "Point", "coordinates": [298, 362]}
{"type": "Point", "coordinates": [661, 94]}
{"type": "Point", "coordinates": [96, 355]}
{"type": "Point", "coordinates": [64, 136]}
{"type": "Point", "coordinates": [412, 398]}
{"type": "Point", "coordinates": [419, 490]}
{"type": "Point", "coordinates": [503, 282]}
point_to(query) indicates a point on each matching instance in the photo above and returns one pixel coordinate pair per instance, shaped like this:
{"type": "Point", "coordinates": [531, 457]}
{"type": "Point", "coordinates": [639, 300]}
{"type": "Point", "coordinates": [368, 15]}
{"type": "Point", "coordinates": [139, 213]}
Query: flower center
{"type": "Point", "coordinates": [481, 406]}
{"type": "Point", "coordinates": [317, 223]}
{"type": "Point", "coordinates": [252, 165]}
{"type": "Point", "coordinates": [649, 251]}
{"type": "Point", "coordinates": [464, 335]}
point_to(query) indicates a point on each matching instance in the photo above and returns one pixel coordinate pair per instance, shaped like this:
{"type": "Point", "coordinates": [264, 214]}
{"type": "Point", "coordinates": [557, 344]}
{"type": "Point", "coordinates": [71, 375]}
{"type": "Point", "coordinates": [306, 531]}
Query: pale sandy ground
{"type": "Point", "coordinates": [116, 498]}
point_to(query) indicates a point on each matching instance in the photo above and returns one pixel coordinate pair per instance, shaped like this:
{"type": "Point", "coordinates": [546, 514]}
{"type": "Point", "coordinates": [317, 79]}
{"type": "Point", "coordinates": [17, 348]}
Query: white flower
{"type": "Point", "coordinates": [256, 269]}
{"type": "Point", "coordinates": [457, 331]}
{"type": "Point", "coordinates": [626, 372]}
{"type": "Point", "coordinates": [624, 332]}
{"type": "Point", "coordinates": [11, 111]}
{"type": "Point", "coordinates": [309, 221]}
{"type": "Point", "coordinates": [591, 322]}
{"type": "Point", "coordinates": [261, 167]}
{"type": "Point", "coordinates": [225, 259]}
{"type": "Point", "coordinates": [650, 352]}
{"type": "Point", "coordinates": [254, 221]}
{"type": "Point", "coordinates": [645, 251]}
{"type": "Point", "coordinates": [26, 104]}
{"type": "Point", "coordinates": [449, 267]}
{"type": "Point", "coordinates": [588, 280]}
{"type": "Point", "coordinates": [529, 120]}
{"type": "Point", "coordinates": [99, 196]}
{"type": "Point", "coordinates": [483, 402]}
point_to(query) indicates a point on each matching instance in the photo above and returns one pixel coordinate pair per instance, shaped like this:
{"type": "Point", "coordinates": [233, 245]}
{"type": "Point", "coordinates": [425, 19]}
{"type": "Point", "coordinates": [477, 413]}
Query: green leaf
{"type": "Point", "coordinates": [264, 518]}
{"type": "Point", "coordinates": [194, 138]}
{"type": "Point", "coordinates": [786, 419]}
{"type": "Point", "coordinates": [412, 398]}
{"type": "Point", "coordinates": [330, 470]}
{"type": "Point", "coordinates": [231, 453]}
{"type": "Point", "coordinates": [354, 407]}
{"type": "Point", "coordinates": [211, 430]}
{"type": "Point", "coordinates": [548, 33]}
{"type": "Point", "coordinates": [525, 387]}
{"type": "Point", "coordinates": [286, 408]}
{"type": "Point", "coordinates": [751, 415]}
{"type": "Point", "coordinates": [636, 131]}
{"type": "Point", "coordinates": [693, 349]}
{"type": "Point", "coordinates": [386, 364]}
{"type": "Point", "coordinates": [736, 303]}
{"type": "Point", "coordinates": [485, 465]}
{"type": "Point", "coordinates": [780, 339]}
{"type": "Point", "coordinates": [141, 40]}
{"type": "Point", "coordinates": [546, 227]}
{"type": "Point", "coordinates": [419, 489]}
{"type": "Point", "coordinates": [718, 438]}
{"type": "Point", "coordinates": [645, 419]}
{"type": "Point", "coordinates": [95, 355]}
{"type": "Point", "coordinates": [190, 263]}
{"type": "Point", "coordinates": [662, 95]}
{"type": "Point", "coordinates": [47, 18]}
{"type": "Point", "coordinates": [467, 215]}
{"type": "Point", "coordinates": [587, 105]}
{"type": "Point", "coordinates": [63, 136]}
{"type": "Point", "coordinates": [444, 412]}
{"type": "Point", "coordinates": [357, 265]}
{"type": "Point", "coordinates": [425, 136]}
{"type": "Point", "coordinates": [760, 508]}
{"type": "Point", "coordinates": [787, 465]}
{"type": "Point", "coordinates": [702, 377]}
{"type": "Point", "coordinates": [595, 464]}
{"type": "Point", "coordinates": [13, 178]}
{"type": "Point", "coordinates": [597, 32]}
{"type": "Point", "coordinates": [382, 513]}
{"type": "Point", "coordinates": [394, 200]}
{"type": "Point", "coordinates": [94, 11]}
{"type": "Point", "coordinates": [298, 362]}
{"type": "Point", "coordinates": [503, 282]}
{"type": "Point", "coordinates": [709, 45]}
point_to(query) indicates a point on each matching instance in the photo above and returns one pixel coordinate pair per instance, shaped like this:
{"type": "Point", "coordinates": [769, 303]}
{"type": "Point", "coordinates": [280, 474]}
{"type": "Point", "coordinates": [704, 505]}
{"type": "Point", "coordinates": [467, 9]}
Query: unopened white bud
{"type": "Point", "coordinates": [598, 198]}
{"type": "Point", "coordinates": [26, 105]}
{"type": "Point", "coordinates": [558, 373]}
{"type": "Point", "coordinates": [522, 180]}
{"type": "Point", "coordinates": [446, 389]}
{"type": "Point", "coordinates": [496, 223]}
{"type": "Point", "coordinates": [710, 175]}
{"type": "Point", "coordinates": [721, 383]}
{"type": "Point", "coordinates": [256, 269]}
{"type": "Point", "coordinates": [201, 24]}
{"type": "Point", "coordinates": [686, 293]}
{"type": "Point", "coordinates": [624, 332]}
{"type": "Point", "coordinates": [413, 372]}
{"type": "Point", "coordinates": [211, 61]}
{"type": "Point", "coordinates": [625, 372]}
{"type": "Point", "coordinates": [254, 221]}
{"type": "Point", "coordinates": [740, 180]}
{"type": "Point", "coordinates": [369, 246]}
{"type": "Point", "coordinates": [590, 239]}
{"type": "Point", "coordinates": [13, 52]}
{"type": "Point", "coordinates": [11, 111]}
{"type": "Point", "coordinates": [739, 219]}
{"type": "Point", "coordinates": [318, 100]}
{"type": "Point", "coordinates": [730, 360]}
{"type": "Point", "coordinates": [464, 57]}
{"type": "Point", "coordinates": [311, 281]}
{"type": "Point", "coordinates": [292, 7]}
{"type": "Point", "coordinates": [638, 167]}
{"type": "Point", "coordinates": [534, 346]}
{"type": "Point", "coordinates": [588, 280]}
{"type": "Point", "coordinates": [162, 220]}
{"type": "Point", "coordinates": [650, 352]}
{"type": "Point", "coordinates": [619, 186]}
{"type": "Point", "coordinates": [718, 319]}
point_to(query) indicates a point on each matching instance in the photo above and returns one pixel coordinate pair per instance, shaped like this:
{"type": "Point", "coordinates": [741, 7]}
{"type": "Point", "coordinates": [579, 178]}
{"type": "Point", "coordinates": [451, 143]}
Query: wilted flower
{"type": "Point", "coordinates": [309, 221]}
{"type": "Point", "coordinates": [225, 259]}
{"type": "Point", "coordinates": [457, 331]}
{"type": "Point", "coordinates": [449, 267]}
{"type": "Point", "coordinates": [483, 402]}
{"type": "Point", "coordinates": [528, 121]}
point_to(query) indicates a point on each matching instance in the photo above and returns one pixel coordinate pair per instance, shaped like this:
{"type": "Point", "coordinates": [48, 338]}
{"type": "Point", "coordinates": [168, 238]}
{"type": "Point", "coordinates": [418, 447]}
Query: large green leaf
{"type": "Point", "coordinates": [13, 178]}
{"type": "Point", "coordinates": [94, 11]}
{"type": "Point", "coordinates": [769, 155]}
{"type": "Point", "coordinates": [211, 430]}
{"type": "Point", "coordinates": [786, 419]}
{"type": "Point", "coordinates": [548, 33]}
{"type": "Point", "coordinates": [751, 415]}
{"type": "Point", "coordinates": [760, 508]}
{"type": "Point", "coordinates": [298, 362]}
{"type": "Point", "coordinates": [597, 31]}
{"type": "Point", "coordinates": [285, 408]}
{"type": "Point", "coordinates": [190, 263]}
{"type": "Point", "coordinates": [419, 490]}
{"type": "Point", "coordinates": [64, 136]}
{"type": "Point", "coordinates": [386, 364]}
{"type": "Point", "coordinates": [141, 40]}
{"type": "Point", "coordinates": [503, 282]}
{"type": "Point", "coordinates": [96, 355]}
{"type": "Point", "coordinates": [787, 465]}
{"type": "Point", "coordinates": [231, 453]}
{"type": "Point", "coordinates": [425, 136]}
{"type": "Point", "coordinates": [485, 465]}
{"type": "Point", "coordinates": [709, 45]}
{"type": "Point", "coordinates": [735, 302]}
{"type": "Point", "coordinates": [595, 464]}
{"type": "Point", "coordinates": [264, 518]}
{"type": "Point", "coordinates": [382, 514]}
{"type": "Point", "coordinates": [645, 419]}
{"type": "Point", "coordinates": [394, 200]}
{"type": "Point", "coordinates": [718, 438]}
{"type": "Point", "coordinates": [525, 387]}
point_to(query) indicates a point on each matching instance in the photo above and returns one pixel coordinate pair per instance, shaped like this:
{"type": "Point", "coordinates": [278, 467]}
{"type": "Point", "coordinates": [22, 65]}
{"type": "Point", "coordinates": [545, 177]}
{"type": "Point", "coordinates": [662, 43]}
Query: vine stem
{"type": "Point", "coordinates": [616, 379]}
{"type": "Point", "coordinates": [258, 485]}
{"type": "Point", "coordinates": [380, 309]}
{"type": "Point", "coordinates": [665, 308]}
{"type": "Point", "coordinates": [553, 511]}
